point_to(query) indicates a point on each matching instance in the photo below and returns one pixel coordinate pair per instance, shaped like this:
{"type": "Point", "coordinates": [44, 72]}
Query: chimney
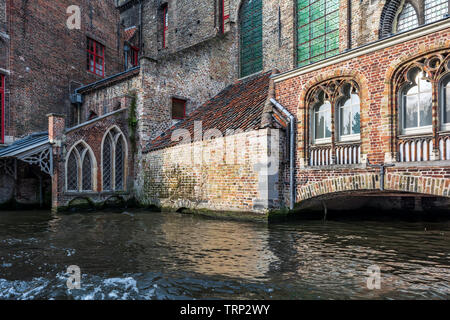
{"type": "Point", "coordinates": [56, 127]}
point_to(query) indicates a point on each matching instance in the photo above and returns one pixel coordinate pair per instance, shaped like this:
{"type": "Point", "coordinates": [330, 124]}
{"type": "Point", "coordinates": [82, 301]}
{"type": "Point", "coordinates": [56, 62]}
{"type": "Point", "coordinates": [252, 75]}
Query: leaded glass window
{"type": "Point", "coordinates": [322, 122]}
{"type": "Point", "coordinates": [251, 49]}
{"type": "Point", "coordinates": [407, 19]}
{"type": "Point", "coordinates": [349, 117]}
{"type": "Point", "coordinates": [435, 10]}
{"type": "Point", "coordinates": [417, 104]}
{"type": "Point", "coordinates": [119, 164]}
{"type": "Point", "coordinates": [114, 158]}
{"type": "Point", "coordinates": [87, 173]}
{"type": "Point", "coordinates": [318, 30]}
{"type": "Point", "coordinates": [72, 173]}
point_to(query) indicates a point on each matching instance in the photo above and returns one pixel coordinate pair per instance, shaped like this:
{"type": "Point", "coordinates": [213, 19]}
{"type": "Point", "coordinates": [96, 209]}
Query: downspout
{"type": "Point", "coordinates": [291, 150]}
{"type": "Point", "coordinates": [349, 24]}
{"type": "Point", "coordinates": [140, 26]}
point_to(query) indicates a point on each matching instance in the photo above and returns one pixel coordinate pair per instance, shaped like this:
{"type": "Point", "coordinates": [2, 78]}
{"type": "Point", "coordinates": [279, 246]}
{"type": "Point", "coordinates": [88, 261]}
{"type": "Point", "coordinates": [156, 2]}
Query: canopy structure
{"type": "Point", "coordinates": [34, 149]}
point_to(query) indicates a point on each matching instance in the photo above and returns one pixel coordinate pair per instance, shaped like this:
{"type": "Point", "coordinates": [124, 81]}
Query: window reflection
{"type": "Point", "coordinates": [417, 100]}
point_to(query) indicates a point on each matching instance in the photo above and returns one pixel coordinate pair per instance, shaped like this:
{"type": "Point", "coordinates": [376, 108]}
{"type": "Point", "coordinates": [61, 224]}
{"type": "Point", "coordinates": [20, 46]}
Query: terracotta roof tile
{"type": "Point", "coordinates": [129, 33]}
{"type": "Point", "coordinates": [239, 106]}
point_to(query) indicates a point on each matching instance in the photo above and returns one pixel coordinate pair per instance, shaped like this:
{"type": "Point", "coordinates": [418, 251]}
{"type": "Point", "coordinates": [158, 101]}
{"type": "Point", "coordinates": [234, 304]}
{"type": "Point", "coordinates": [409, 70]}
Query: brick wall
{"type": "Point", "coordinates": [226, 179]}
{"type": "Point", "coordinates": [47, 59]}
{"type": "Point", "coordinates": [108, 97]}
{"type": "Point", "coordinates": [373, 71]}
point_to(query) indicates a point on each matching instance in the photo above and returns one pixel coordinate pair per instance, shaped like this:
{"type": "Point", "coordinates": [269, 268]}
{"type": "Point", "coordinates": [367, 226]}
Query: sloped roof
{"type": "Point", "coordinates": [20, 146]}
{"type": "Point", "coordinates": [129, 33]}
{"type": "Point", "coordinates": [239, 106]}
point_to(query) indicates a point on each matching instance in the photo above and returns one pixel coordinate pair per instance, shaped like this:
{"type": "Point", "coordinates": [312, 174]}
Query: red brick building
{"type": "Point", "coordinates": [47, 50]}
{"type": "Point", "coordinates": [45, 60]}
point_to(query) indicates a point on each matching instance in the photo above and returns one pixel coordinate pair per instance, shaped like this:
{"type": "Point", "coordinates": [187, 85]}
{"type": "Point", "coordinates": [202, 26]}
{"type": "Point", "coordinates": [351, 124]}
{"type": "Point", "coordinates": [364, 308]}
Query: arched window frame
{"type": "Point", "coordinates": [348, 93]}
{"type": "Point", "coordinates": [114, 134]}
{"type": "Point", "coordinates": [80, 157]}
{"type": "Point", "coordinates": [444, 101]}
{"type": "Point", "coordinates": [427, 11]}
{"type": "Point", "coordinates": [407, 5]}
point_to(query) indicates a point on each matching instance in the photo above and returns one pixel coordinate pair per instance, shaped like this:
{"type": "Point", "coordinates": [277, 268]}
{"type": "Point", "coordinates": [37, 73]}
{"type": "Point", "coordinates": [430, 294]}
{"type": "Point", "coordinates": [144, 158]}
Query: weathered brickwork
{"type": "Point", "coordinates": [91, 133]}
{"type": "Point", "coordinates": [47, 60]}
{"type": "Point", "coordinates": [105, 98]}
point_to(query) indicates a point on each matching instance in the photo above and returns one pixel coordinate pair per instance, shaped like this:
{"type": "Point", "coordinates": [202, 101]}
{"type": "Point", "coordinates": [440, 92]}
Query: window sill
{"type": "Point", "coordinates": [321, 142]}
{"type": "Point", "coordinates": [350, 138]}
{"type": "Point", "coordinates": [336, 167]}
{"type": "Point", "coordinates": [416, 135]}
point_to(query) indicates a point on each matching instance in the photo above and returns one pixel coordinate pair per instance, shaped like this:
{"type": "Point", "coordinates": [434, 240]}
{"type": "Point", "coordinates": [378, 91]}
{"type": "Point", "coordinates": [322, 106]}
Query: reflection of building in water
{"type": "Point", "coordinates": [225, 248]}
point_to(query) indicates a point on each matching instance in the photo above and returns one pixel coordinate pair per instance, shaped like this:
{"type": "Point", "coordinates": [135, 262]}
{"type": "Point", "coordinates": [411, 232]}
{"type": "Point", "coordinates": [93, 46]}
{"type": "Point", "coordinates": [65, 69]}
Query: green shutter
{"type": "Point", "coordinates": [318, 30]}
{"type": "Point", "coordinates": [251, 37]}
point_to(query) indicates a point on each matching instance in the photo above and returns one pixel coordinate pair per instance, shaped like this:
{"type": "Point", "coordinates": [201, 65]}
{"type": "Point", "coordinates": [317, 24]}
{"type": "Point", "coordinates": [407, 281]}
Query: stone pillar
{"type": "Point", "coordinates": [56, 129]}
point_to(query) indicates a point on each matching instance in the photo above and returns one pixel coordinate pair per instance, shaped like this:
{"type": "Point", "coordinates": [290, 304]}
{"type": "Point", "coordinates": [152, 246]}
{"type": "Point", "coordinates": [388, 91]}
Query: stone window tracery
{"type": "Point", "coordinates": [114, 155]}
{"type": "Point", "coordinates": [421, 108]}
{"type": "Point", "coordinates": [334, 131]}
{"type": "Point", "coordinates": [80, 169]}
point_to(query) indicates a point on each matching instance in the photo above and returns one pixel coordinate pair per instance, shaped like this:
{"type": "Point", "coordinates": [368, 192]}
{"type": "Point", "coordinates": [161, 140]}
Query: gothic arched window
{"type": "Point", "coordinates": [317, 31]}
{"type": "Point", "coordinates": [349, 116]}
{"type": "Point", "coordinates": [80, 165]}
{"type": "Point", "coordinates": [334, 133]}
{"type": "Point", "coordinates": [399, 15]}
{"type": "Point", "coordinates": [114, 157]}
{"type": "Point", "coordinates": [251, 49]}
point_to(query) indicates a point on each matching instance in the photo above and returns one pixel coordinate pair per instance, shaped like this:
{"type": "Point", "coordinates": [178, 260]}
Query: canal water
{"type": "Point", "coordinates": [144, 255]}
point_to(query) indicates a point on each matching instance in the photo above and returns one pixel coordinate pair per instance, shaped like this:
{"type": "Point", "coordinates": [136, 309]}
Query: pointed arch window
{"type": "Point", "coordinates": [334, 132]}
{"type": "Point", "coordinates": [114, 157]}
{"type": "Point", "coordinates": [408, 18]}
{"type": "Point", "coordinates": [80, 169]}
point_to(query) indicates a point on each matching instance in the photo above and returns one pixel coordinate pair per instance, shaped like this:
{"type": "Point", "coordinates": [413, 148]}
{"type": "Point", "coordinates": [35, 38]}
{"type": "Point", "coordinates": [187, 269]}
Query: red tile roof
{"type": "Point", "coordinates": [129, 33]}
{"type": "Point", "coordinates": [239, 106]}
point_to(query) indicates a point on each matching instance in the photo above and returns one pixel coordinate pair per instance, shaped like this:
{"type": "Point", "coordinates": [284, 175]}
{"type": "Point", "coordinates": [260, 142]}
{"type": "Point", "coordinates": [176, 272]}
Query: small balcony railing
{"type": "Point", "coordinates": [421, 148]}
{"type": "Point", "coordinates": [344, 154]}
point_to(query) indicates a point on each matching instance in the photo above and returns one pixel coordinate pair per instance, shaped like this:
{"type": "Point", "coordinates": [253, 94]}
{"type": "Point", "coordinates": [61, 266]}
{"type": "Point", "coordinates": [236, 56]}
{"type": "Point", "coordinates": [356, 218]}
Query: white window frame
{"type": "Point", "coordinates": [416, 130]}
{"type": "Point", "coordinates": [321, 140]}
{"type": "Point", "coordinates": [87, 152]}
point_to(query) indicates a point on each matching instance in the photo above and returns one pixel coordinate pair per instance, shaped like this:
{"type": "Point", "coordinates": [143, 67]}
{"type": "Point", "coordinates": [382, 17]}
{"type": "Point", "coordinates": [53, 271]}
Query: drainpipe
{"type": "Point", "coordinates": [349, 24]}
{"type": "Point", "coordinates": [291, 150]}
{"type": "Point", "coordinates": [382, 168]}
